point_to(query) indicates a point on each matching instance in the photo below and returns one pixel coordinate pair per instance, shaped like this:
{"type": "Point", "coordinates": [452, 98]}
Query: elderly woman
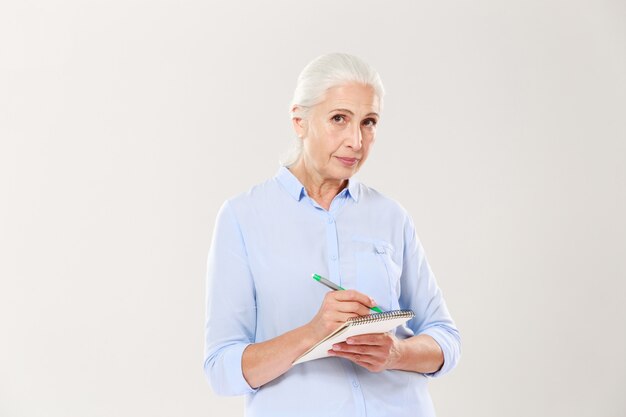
{"type": "Point", "coordinates": [263, 308]}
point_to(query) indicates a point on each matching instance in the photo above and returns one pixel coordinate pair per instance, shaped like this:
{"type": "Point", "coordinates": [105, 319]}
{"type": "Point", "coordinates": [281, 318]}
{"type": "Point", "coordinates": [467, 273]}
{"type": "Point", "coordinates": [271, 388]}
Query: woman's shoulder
{"type": "Point", "coordinates": [256, 196]}
{"type": "Point", "coordinates": [370, 196]}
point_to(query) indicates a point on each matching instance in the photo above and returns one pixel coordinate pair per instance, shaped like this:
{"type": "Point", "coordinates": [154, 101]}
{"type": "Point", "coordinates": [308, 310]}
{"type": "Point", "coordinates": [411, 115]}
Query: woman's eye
{"type": "Point", "coordinates": [338, 118]}
{"type": "Point", "coordinates": [369, 122]}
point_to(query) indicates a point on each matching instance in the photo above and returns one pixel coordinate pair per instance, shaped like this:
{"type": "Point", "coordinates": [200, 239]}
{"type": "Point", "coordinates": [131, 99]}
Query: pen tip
{"type": "Point", "coordinates": [316, 277]}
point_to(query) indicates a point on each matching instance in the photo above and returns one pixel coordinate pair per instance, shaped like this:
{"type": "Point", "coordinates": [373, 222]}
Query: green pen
{"type": "Point", "coordinates": [336, 287]}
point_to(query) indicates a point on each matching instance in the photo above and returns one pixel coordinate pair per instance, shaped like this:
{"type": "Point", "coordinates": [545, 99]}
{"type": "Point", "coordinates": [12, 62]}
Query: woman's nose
{"type": "Point", "coordinates": [356, 138]}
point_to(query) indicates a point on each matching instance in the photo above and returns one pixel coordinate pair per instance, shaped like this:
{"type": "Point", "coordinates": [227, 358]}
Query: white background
{"type": "Point", "coordinates": [125, 124]}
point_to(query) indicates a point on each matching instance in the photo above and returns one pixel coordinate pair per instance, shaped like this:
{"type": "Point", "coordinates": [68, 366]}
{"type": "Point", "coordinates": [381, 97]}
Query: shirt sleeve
{"type": "Point", "coordinates": [230, 307]}
{"type": "Point", "coordinates": [421, 294]}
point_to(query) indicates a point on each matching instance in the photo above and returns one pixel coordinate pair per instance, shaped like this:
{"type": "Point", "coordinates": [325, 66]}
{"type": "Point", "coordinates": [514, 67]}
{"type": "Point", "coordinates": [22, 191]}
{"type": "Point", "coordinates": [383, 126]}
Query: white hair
{"type": "Point", "coordinates": [321, 74]}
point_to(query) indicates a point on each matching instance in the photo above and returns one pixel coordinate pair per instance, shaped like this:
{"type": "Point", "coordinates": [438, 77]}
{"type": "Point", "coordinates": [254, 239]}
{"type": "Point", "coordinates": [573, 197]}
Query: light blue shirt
{"type": "Point", "coordinates": [266, 244]}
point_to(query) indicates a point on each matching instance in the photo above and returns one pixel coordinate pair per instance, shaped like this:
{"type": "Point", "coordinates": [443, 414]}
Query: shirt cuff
{"type": "Point", "coordinates": [228, 379]}
{"type": "Point", "coordinates": [449, 349]}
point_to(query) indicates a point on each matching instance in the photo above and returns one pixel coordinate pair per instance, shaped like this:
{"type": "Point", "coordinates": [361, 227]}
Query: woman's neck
{"type": "Point", "coordinates": [320, 189]}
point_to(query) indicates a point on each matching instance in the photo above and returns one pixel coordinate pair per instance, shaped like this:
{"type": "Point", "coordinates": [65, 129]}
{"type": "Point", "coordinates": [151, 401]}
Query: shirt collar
{"type": "Point", "coordinates": [296, 190]}
{"type": "Point", "coordinates": [353, 189]}
{"type": "Point", "coordinates": [291, 183]}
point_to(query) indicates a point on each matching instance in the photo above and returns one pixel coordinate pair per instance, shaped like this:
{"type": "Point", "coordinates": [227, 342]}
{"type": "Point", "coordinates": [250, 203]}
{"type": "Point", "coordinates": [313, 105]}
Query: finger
{"type": "Point", "coordinates": [353, 295]}
{"type": "Point", "coordinates": [337, 318]}
{"type": "Point", "coordinates": [365, 350]}
{"type": "Point", "coordinates": [372, 339]}
{"type": "Point", "coordinates": [353, 307]}
{"type": "Point", "coordinates": [358, 358]}
{"type": "Point", "coordinates": [342, 317]}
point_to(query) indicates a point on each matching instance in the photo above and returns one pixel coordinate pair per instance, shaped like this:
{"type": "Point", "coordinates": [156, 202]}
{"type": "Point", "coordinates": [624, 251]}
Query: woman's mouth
{"type": "Point", "coordinates": [349, 162]}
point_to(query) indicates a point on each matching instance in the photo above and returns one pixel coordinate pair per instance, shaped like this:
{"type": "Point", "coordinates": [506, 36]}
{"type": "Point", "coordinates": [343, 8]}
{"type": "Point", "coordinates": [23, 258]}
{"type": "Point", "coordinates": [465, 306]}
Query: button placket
{"type": "Point", "coordinates": [333, 249]}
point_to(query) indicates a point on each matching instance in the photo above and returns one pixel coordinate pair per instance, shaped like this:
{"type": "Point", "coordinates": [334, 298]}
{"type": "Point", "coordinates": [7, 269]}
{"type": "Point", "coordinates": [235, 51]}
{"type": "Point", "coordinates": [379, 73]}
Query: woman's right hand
{"type": "Point", "coordinates": [264, 361]}
{"type": "Point", "coordinates": [337, 308]}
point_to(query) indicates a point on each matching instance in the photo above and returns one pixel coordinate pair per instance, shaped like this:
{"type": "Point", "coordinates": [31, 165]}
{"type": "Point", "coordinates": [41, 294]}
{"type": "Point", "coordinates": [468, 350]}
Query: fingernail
{"type": "Point", "coordinates": [349, 341]}
{"type": "Point", "coordinates": [336, 347]}
{"type": "Point", "coordinates": [372, 301]}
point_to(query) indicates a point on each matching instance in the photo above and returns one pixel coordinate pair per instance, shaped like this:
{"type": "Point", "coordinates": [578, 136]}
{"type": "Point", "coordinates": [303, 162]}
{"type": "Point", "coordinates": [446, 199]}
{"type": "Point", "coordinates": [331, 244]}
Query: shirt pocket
{"type": "Point", "coordinates": [377, 275]}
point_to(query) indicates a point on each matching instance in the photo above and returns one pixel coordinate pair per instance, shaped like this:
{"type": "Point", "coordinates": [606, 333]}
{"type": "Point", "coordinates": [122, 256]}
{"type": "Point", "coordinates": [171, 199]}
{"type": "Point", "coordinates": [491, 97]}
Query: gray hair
{"type": "Point", "coordinates": [321, 74]}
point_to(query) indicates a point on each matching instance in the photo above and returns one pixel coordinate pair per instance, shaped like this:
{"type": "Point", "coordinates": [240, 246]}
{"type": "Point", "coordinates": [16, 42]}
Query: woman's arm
{"type": "Point", "coordinates": [435, 348]}
{"type": "Point", "coordinates": [266, 361]}
{"type": "Point", "coordinates": [234, 365]}
{"type": "Point", "coordinates": [419, 353]}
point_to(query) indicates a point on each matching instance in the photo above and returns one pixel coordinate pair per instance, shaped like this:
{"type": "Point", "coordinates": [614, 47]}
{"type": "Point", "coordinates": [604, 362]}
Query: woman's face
{"type": "Point", "coordinates": [338, 132]}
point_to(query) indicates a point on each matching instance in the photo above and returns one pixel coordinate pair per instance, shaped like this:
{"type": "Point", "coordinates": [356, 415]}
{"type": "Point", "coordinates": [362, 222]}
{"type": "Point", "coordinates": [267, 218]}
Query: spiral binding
{"type": "Point", "coordinates": [376, 317]}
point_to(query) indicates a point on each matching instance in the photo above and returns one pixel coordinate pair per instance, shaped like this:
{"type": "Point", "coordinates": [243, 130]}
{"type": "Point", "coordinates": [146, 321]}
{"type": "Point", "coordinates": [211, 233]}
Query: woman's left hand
{"type": "Point", "coordinates": [374, 352]}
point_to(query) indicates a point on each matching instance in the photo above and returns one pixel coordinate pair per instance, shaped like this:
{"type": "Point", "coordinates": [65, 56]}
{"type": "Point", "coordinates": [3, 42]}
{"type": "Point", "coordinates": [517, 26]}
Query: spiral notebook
{"type": "Point", "coordinates": [374, 323]}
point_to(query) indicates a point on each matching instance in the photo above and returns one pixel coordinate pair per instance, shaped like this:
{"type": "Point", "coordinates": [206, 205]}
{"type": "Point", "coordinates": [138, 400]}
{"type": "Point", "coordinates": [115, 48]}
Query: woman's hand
{"type": "Point", "coordinates": [337, 307]}
{"type": "Point", "coordinates": [265, 361]}
{"type": "Point", "coordinates": [374, 352]}
{"type": "Point", "coordinates": [380, 351]}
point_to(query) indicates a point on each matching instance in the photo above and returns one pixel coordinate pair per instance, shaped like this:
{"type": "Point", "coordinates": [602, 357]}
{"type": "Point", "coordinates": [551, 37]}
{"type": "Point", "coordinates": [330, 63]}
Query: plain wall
{"type": "Point", "coordinates": [125, 124]}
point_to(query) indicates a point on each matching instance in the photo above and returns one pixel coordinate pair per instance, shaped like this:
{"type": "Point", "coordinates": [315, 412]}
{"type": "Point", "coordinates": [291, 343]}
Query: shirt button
{"type": "Point", "coordinates": [334, 257]}
{"type": "Point", "coordinates": [355, 384]}
{"type": "Point", "coordinates": [331, 220]}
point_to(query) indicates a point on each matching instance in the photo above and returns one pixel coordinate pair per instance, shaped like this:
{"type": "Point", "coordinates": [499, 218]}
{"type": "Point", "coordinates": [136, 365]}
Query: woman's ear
{"type": "Point", "coordinates": [299, 124]}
